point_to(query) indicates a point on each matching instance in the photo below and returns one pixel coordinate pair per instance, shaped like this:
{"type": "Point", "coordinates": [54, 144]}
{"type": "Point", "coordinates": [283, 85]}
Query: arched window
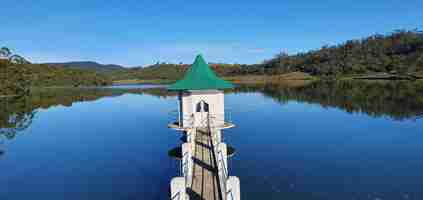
{"type": "Point", "coordinates": [205, 107]}
{"type": "Point", "coordinates": [198, 107]}
{"type": "Point", "coordinates": [202, 106]}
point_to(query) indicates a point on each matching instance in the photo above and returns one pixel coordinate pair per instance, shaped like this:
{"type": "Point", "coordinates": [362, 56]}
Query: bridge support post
{"type": "Point", "coordinates": [187, 163]}
{"type": "Point", "coordinates": [233, 190]}
{"type": "Point", "coordinates": [178, 189]}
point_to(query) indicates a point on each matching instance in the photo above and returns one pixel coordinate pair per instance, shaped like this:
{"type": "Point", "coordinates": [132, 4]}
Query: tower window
{"type": "Point", "coordinates": [198, 107]}
{"type": "Point", "coordinates": [206, 107]}
{"type": "Point", "coordinates": [202, 107]}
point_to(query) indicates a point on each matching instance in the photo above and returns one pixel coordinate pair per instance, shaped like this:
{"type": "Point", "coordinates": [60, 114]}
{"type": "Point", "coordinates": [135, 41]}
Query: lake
{"type": "Point", "coordinates": [305, 141]}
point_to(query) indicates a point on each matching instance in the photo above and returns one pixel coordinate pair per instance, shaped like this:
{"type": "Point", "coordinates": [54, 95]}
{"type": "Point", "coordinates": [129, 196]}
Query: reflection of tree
{"type": "Point", "coordinates": [17, 123]}
{"type": "Point", "coordinates": [2, 151]}
{"type": "Point", "coordinates": [397, 99]}
{"type": "Point", "coordinates": [16, 114]}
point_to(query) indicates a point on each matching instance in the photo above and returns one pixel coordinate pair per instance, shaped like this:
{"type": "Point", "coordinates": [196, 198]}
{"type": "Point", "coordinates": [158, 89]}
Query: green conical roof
{"type": "Point", "coordinates": [200, 77]}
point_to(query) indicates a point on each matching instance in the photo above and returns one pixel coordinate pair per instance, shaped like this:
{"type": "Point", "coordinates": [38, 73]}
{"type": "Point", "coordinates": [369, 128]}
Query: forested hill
{"type": "Point", "coordinates": [169, 71]}
{"type": "Point", "coordinates": [397, 53]}
{"type": "Point", "coordinates": [17, 75]}
{"type": "Point", "coordinates": [400, 52]}
{"type": "Point", "coordinates": [87, 65]}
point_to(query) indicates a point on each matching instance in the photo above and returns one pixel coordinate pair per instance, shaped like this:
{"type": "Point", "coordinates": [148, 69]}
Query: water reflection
{"type": "Point", "coordinates": [334, 153]}
{"type": "Point", "coordinates": [398, 100]}
{"type": "Point", "coordinates": [176, 152]}
{"type": "Point", "coordinates": [17, 113]}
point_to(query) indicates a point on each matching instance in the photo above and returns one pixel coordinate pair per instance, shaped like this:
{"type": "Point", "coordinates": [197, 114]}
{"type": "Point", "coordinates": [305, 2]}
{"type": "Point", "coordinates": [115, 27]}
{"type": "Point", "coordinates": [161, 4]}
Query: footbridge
{"type": "Point", "coordinates": [204, 164]}
{"type": "Point", "coordinates": [201, 116]}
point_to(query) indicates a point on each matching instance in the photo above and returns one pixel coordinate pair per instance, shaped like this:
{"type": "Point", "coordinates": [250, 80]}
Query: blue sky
{"type": "Point", "coordinates": [140, 32]}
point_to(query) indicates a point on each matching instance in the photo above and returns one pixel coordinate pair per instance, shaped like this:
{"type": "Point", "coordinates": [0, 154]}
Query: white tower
{"type": "Point", "coordinates": [200, 100]}
{"type": "Point", "coordinates": [201, 115]}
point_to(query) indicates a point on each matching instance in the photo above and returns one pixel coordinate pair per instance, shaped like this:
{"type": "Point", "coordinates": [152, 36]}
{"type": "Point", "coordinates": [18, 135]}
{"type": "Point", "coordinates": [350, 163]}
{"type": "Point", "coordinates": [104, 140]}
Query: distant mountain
{"type": "Point", "coordinates": [87, 65]}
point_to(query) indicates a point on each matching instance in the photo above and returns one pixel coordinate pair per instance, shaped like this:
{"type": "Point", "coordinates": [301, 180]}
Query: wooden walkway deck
{"type": "Point", "coordinates": [205, 181]}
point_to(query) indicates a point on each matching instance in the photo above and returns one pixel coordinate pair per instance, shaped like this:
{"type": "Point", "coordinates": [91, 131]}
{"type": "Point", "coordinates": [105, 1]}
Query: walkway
{"type": "Point", "coordinates": [205, 183]}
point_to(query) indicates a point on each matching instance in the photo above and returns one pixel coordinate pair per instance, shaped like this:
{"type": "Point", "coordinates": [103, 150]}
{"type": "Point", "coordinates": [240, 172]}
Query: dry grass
{"type": "Point", "coordinates": [288, 77]}
{"type": "Point", "coordinates": [138, 81]}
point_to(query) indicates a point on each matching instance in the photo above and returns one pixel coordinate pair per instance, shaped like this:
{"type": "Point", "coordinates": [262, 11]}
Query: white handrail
{"type": "Point", "coordinates": [189, 119]}
{"type": "Point", "coordinates": [224, 176]}
{"type": "Point", "coordinates": [184, 164]}
{"type": "Point", "coordinates": [230, 193]}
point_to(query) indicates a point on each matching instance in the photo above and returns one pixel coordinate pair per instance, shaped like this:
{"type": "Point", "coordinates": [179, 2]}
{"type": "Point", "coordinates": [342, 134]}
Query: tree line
{"type": "Point", "coordinates": [400, 52]}
{"type": "Point", "coordinates": [13, 77]}
{"type": "Point", "coordinates": [17, 75]}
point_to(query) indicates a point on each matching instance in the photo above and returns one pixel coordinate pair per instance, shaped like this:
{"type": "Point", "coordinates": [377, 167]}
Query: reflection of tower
{"type": "Point", "coordinates": [201, 116]}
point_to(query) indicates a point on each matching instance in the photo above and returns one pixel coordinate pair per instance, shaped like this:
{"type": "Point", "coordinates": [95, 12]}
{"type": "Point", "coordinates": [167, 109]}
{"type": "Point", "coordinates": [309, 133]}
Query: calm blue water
{"type": "Point", "coordinates": [116, 148]}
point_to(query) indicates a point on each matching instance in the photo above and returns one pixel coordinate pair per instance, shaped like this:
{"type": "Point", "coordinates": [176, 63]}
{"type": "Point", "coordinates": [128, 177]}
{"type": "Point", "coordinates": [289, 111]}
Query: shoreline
{"type": "Point", "coordinates": [288, 77]}
{"type": "Point", "coordinates": [8, 96]}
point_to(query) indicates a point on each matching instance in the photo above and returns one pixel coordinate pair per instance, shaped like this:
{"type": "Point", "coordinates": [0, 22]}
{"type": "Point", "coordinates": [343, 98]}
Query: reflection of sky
{"type": "Point", "coordinates": [325, 150]}
{"type": "Point", "coordinates": [92, 147]}
{"type": "Point", "coordinates": [116, 148]}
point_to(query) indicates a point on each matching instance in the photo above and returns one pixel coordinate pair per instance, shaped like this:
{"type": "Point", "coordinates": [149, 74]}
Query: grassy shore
{"type": "Point", "coordinates": [283, 78]}
{"type": "Point", "coordinates": [139, 81]}
{"type": "Point", "coordinates": [294, 76]}
{"type": "Point", "coordinates": [244, 79]}
{"type": "Point", "coordinates": [7, 96]}
{"type": "Point", "coordinates": [382, 76]}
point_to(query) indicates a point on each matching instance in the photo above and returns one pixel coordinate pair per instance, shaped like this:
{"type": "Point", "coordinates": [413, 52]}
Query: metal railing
{"type": "Point", "coordinates": [223, 176]}
{"type": "Point", "coordinates": [190, 119]}
{"type": "Point", "coordinates": [185, 171]}
{"type": "Point", "coordinates": [221, 162]}
{"type": "Point", "coordinates": [210, 122]}
{"type": "Point", "coordinates": [174, 118]}
{"type": "Point", "coordinates": [186, 168]}
{"type": "Point", "coordinates": [184, 164]}
{"type": "Point", "coordinates": [230, 195]}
